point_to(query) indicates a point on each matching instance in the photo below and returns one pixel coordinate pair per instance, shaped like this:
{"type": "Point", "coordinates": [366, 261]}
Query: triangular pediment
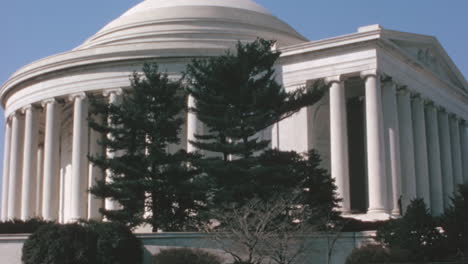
{"type": "Point", "coordinates": [429, 54]}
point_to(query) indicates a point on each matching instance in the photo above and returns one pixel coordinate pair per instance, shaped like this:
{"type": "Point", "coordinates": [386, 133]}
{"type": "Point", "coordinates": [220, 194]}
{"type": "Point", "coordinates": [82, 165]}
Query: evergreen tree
{"type": "Point", "coordinates": [237, 97]}
{"type": "Point", "coordinates": [144, 175]}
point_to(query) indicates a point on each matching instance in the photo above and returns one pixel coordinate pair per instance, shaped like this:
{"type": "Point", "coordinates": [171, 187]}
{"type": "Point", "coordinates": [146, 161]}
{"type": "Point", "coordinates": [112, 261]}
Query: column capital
{"type": "Point", "coordinates": [403, 90]}
{"type": "Point", "coordinates": [334, 79]}
{"type": "Point", "coordinates": [416, 96]}
{"type": "Point", "coordinates": [45, 102]}
{"type": "Point", "coordinates": [454, 116]}
{"type": "Point", "coordinates": [15, 114]}
{"type": "Point", "coordinates": [74, 96]}
{"type": "Point", "coordinates": [441, 109]}
{"type": "Point", "coordinates": [28, 107]}
{"type": "Point", "coordinates": [369, 73]}
{"type": "Point", "coordinates": [429, 103]}
{"type": "Point", "coordinates": [108, 92]}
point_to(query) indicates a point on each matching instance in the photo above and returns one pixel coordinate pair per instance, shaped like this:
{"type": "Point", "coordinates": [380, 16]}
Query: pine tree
{"type": "Point", "coordinates": [237, 97]}
{"type": "Point", "coordinates": [145, 176]}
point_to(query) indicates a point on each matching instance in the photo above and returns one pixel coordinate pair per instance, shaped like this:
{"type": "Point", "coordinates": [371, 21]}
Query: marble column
{"type": "Point", "coordinates": [408, 172]}
{"type": "Point", "coordinates": [446, 157]}
{"type": "Point", "coordinates": [375, 144]}
{"type": "Point", "coordinates": [339, 144]}
{"type": "Point", "coordinates": [50, 197]}
{"type": "Point", "coordinates": [95, 173]}
{"type": "Point", "coordinates": [79, 178]}
{"type": "Point", "coordinates": [456, 151]}
{"type": "Point", "coordinates": [192, 124]}
{"type": "Point", "coordinates": [464, 148]}
{"type": "Point", "coordinates": [40, 182]}
{"type": "Point", "coordinates": [433, 153]}
{"type": "Point", "coordinates": [6, 170]}
{"type": "Point", "coordinates": [31, 133]}
{"type": "Point", "coordinates": [392, 142]}
{"type": "Point", "coordinates": [16, 163]}
{"type": "Point", "coordinates": [115, 98]}
{"type": "Point", "coordinates": [423, 188]}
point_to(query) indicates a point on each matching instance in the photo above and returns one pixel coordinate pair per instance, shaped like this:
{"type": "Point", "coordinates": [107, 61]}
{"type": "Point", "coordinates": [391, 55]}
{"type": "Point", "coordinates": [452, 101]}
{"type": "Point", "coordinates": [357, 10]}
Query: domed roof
{"type": "Point", "coordinates": [173, 21]}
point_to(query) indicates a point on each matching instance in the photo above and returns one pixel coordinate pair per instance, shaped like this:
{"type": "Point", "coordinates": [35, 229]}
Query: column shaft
{"type": "Point", "coordinates": [40, 179]}
{"type": "Point", "coordinates": [115, 98]}
{"type": "Point", "coordinates": [408, 172]}
{"type": "Point", "coordinates": [339, 144]}
{"type": "Point", "coordinates": [375, 146]}
{"type": "Point", "coordinates": [392, 142]}
{"type": "Point", "coordinates": [191, 125]}
{"type": "Point", "coordinates": [433, 153]}
{"type": "Point", "coordinates": [464, 148]}
{"type": "Point", "coordinates": [456, 151]}
{"type": "Point", "coordinates": [16, 158]}
{"type": "Point", "coordinates": [95, 173]}
{"type": "Point", "coordinates": [6, 170]}
{"type": "Point", "coordinates": [31, 133]}
{"type": "Point", "coordinates": [423, 187]}
{"type": "Point", "coordinates": [446, 157]}
{"type": "Point", "coordinates": [50, 197]}
{"type": "Point", "coordinates": [79, 179]}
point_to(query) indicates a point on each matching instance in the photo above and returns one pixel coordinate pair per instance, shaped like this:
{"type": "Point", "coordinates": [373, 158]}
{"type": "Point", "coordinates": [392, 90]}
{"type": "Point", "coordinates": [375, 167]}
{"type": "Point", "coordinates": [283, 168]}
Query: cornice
{"type": "Point", "coordinates": [330, 43]}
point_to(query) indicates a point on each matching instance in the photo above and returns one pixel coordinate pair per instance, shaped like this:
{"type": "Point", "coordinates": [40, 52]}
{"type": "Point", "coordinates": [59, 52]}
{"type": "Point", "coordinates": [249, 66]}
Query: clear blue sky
{"type": "Point", "coordinates": [30, 30]}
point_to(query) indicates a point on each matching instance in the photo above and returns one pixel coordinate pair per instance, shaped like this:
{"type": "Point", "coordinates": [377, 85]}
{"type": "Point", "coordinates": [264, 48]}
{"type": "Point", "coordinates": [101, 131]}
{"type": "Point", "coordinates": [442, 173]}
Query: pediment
{"type": "Point", "coordinates": [429, 54]}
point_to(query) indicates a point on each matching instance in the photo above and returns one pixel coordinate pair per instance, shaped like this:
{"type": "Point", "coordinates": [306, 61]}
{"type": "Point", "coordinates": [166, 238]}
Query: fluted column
{"type": "Point", "coordinates": [446, 156]}
{"type": "Point", "coordinates": [408, 172]}
{"type": "Point", "coordinates": [115, 98]}
{"type": "Point", "coordinates": [31, 133]}
{"type": "Point", "coordinates": [456, 150]}
{"type": "Point", "coordinates": [50, 197]}
{"type": "Point", "coordinates": [95, 173]}
{"type": "Point", "coordinates": [40, 182]}
{"type": "Point", "coordinates": [375, 144]}
{"type": "Point", "coordinates": [16, 162]}
{"type": "Point", "coordinates": [392, 142]}
{"type": "Point", "coordinates": [79, 178]}
{"type": "Point", "coordinates": [6, 170]}
{"type": "Point", "coordinates": [339, 144]}
{"type": "Point", "coordinates": [191, 125]}
{"type": "Point", "coordinates": [433, 153]}
{"type": "Point", "coordinates": [464, 148]}
{"type": "Point", "coordinates": [423, 188]}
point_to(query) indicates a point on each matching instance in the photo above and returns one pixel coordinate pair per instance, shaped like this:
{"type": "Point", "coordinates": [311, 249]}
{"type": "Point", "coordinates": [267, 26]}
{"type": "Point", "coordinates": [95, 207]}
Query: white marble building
{"type": "Point", "coordinates": [393, 125]}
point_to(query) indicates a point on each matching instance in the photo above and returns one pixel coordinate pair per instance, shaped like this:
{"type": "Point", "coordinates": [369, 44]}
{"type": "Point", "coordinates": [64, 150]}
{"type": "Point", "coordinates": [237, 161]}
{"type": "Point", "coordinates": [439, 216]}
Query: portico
{"type": "Point", "coordinates": [413, 137]}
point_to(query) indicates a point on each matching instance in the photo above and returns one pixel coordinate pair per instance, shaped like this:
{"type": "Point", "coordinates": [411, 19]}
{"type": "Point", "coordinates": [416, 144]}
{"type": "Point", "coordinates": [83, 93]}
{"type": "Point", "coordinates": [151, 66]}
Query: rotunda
{"type": "Point", "coordinates": [45, 102]}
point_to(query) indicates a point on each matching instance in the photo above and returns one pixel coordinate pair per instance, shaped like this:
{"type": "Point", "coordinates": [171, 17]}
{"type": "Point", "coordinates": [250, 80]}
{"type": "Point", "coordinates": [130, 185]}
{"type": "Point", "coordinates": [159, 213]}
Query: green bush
{"type": "Point", "coordinates": [60, 244]}
{"type": "Point", "coordinates": [83, 243]}
{"type": "Point", "coordinates": [116, 244]}
{"type": "Point", "coordinates": [417, 232]}
{"type": "Point", "coordinates": [455, 223]}
{"type": "Point", "coordinates": [185, 256]}
{"type": "Point", "coordinates": [17, 226]}
{"type": "Point", "coordinates": [377, 254]}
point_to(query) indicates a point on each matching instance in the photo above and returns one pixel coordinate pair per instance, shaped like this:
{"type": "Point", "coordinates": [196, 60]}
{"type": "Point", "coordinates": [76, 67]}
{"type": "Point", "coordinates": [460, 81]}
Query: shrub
{"type": "Point", "coordinates": [455, 222]}
{"type": "Point", "coordinates": [116, 244]}
{"type": "Point", "coordinates": [60, 244]}
{"type": "Point", "coordinates": [377, 254]}
{"type": "Point", "coordinates": [416, 231]}
{"type": "Point", "coordinates": [17, 226]}
{"type": "Point", "coordinates": [185, 256]}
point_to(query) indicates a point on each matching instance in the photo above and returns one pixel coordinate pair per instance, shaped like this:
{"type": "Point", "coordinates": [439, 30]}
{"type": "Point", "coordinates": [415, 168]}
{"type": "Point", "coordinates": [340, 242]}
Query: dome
{"type": "Point", "coordinates": [176, 22]}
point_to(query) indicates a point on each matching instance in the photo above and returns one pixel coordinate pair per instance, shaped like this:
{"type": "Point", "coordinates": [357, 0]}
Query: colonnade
{"type": "Point", "coordinates": [31, 172]}
{"type": "Point", "coordinates": [415, 148]}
